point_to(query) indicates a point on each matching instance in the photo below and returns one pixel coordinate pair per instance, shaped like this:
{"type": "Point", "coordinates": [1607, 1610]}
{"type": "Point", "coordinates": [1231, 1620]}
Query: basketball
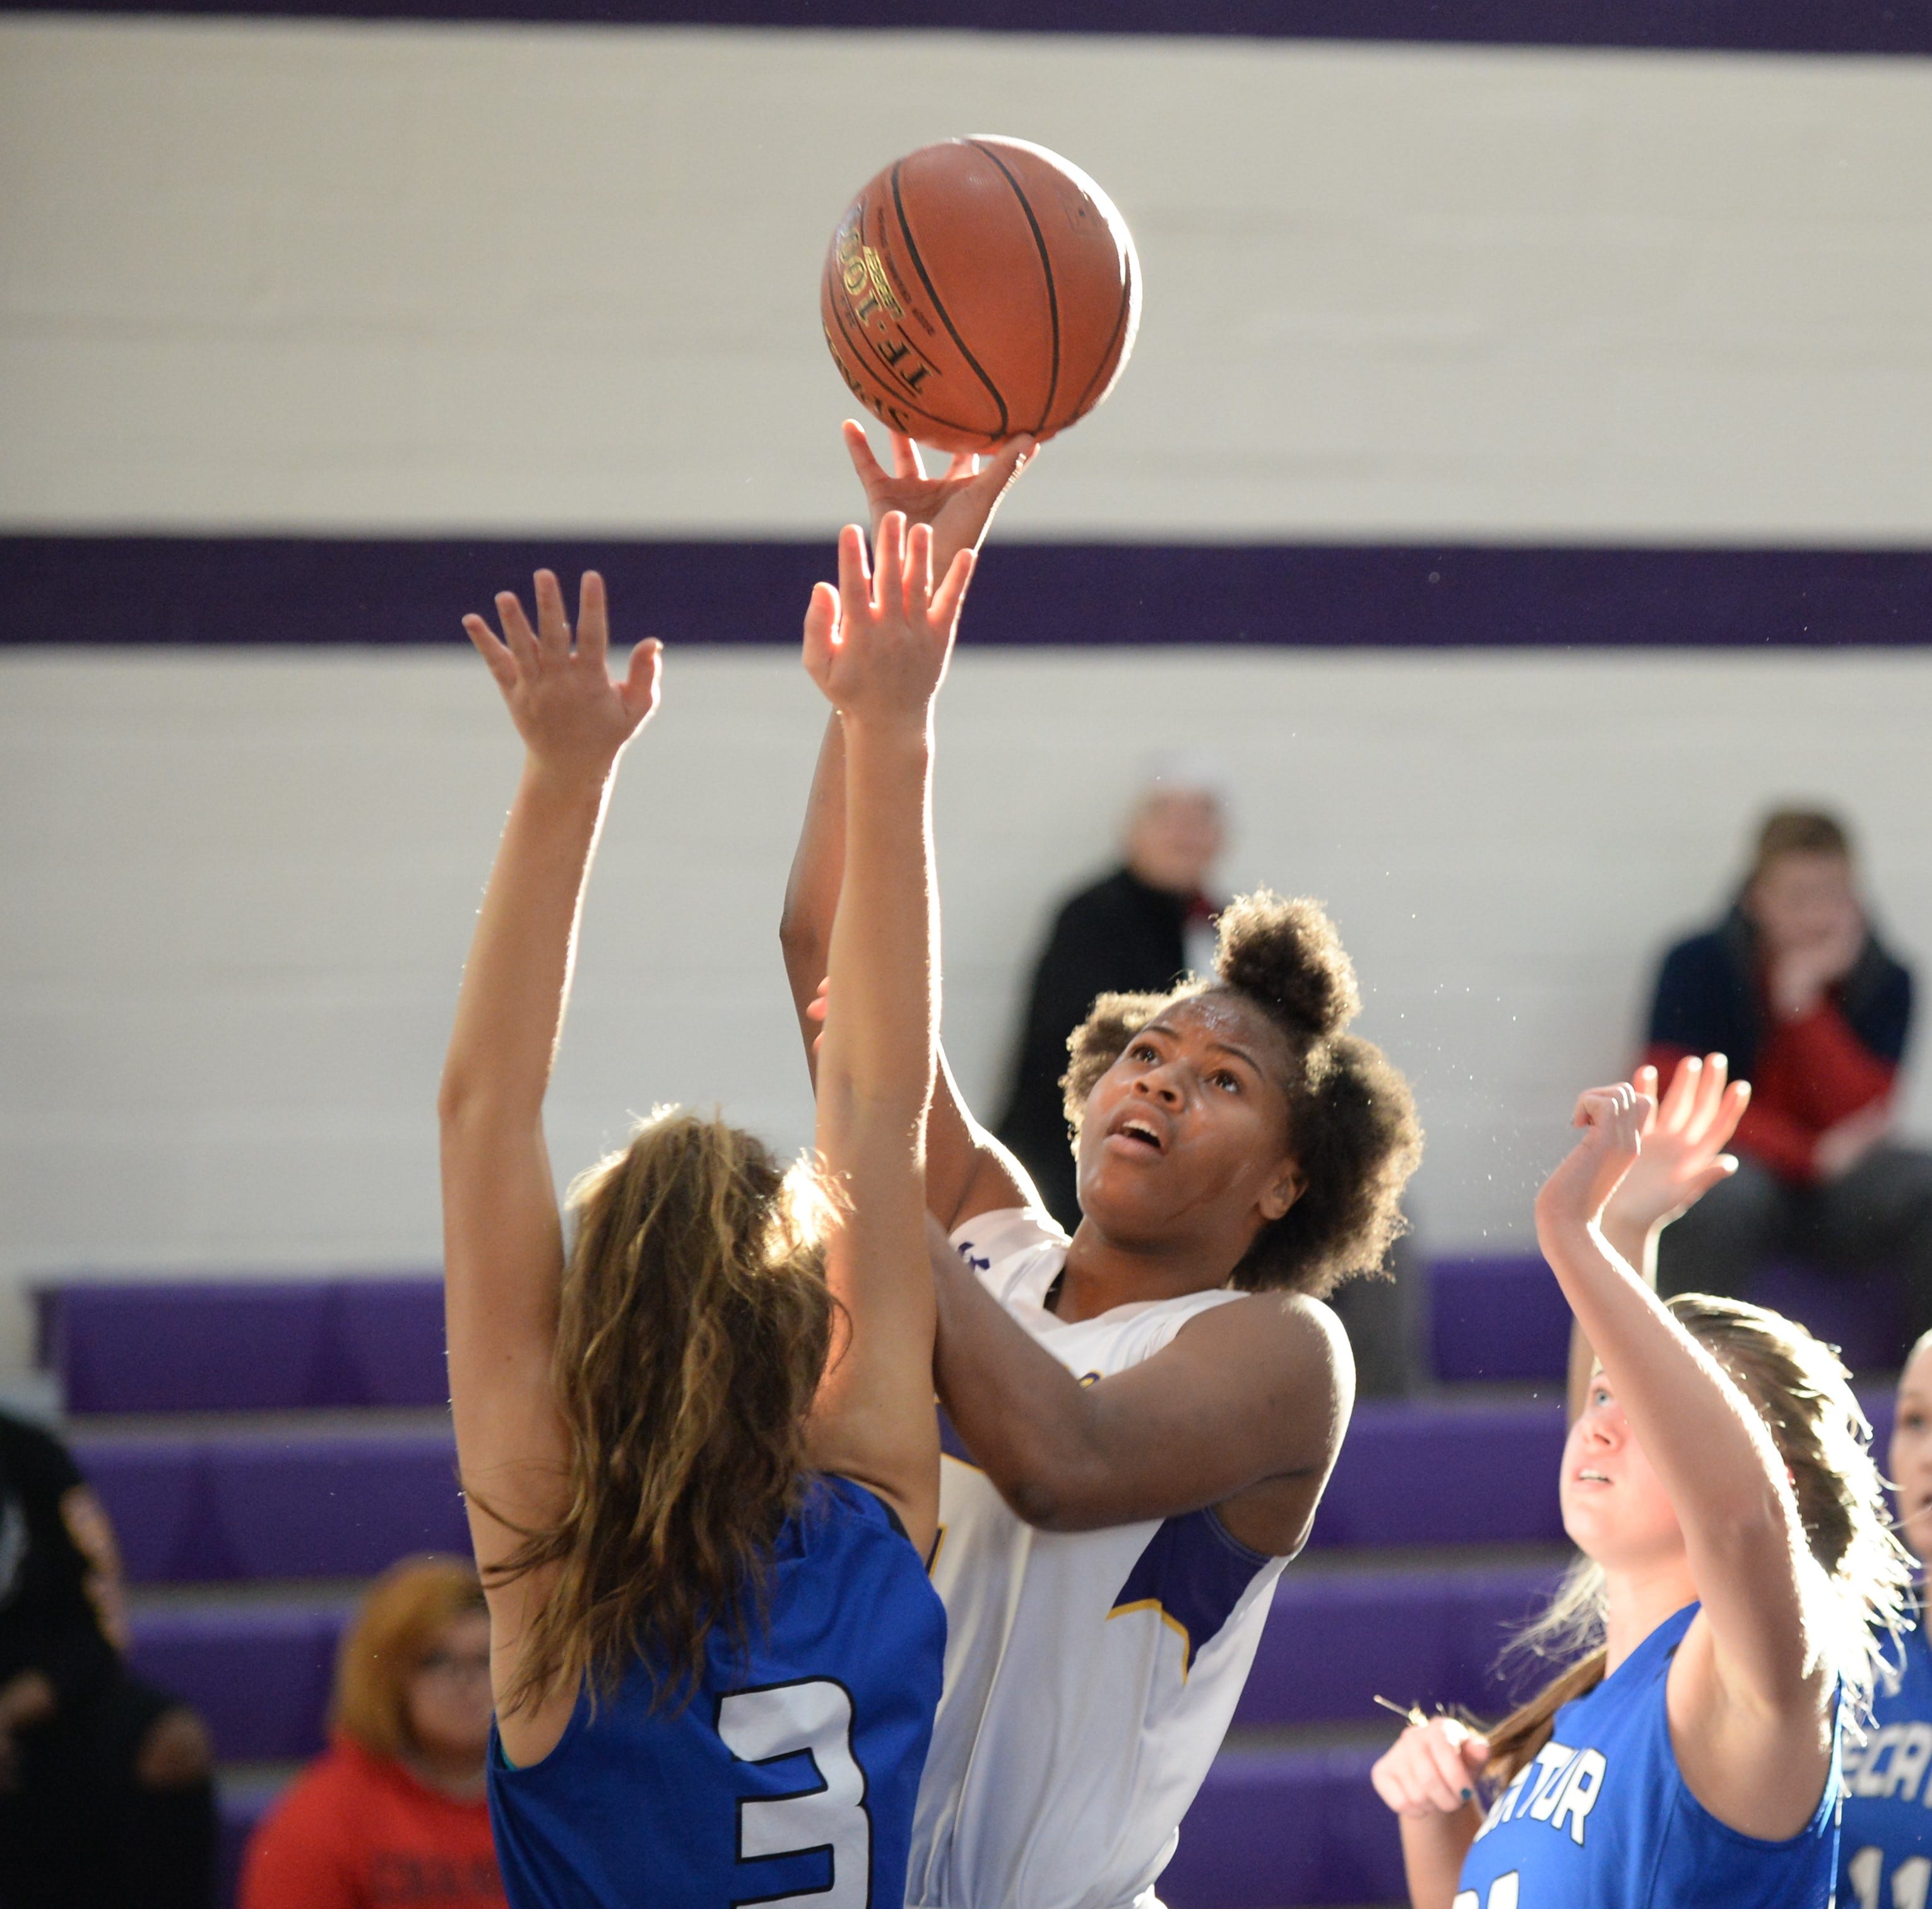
{"type": "Point", "coordinates": [979, 289]}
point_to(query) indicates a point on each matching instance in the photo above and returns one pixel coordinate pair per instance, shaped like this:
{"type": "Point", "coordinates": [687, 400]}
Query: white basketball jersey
{"type": "Point", "coordinates": [1091, 1675]}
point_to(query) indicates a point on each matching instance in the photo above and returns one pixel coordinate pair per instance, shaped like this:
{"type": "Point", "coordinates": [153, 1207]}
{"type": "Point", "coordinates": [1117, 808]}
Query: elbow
{"type": "Point", "coordinates": [1052, 1497]}
{"type": "Point", "coordinates": [802, 937]}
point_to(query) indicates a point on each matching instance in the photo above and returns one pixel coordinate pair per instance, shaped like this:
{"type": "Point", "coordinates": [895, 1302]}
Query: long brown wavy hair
{"type": "Point", "coordinates": [693, 1330]}
{"type": "Point", "coordinates": [1802, 1391]}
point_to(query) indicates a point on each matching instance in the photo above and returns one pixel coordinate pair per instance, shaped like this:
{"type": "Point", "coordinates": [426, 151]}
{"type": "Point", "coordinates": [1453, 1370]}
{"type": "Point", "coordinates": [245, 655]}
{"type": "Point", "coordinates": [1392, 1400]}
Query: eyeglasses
{"type": "Point", "coordinates": [447, 1665]}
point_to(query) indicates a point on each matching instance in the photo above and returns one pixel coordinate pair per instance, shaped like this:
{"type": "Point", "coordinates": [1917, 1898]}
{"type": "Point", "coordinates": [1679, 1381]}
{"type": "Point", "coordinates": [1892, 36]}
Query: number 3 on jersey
{"type": "Point", "coordinates": [1865, 1872]}
{"type": "Point", "coordinates": [1502, 1895]}
{"type": "Point", "coordinates": [814, 1719]}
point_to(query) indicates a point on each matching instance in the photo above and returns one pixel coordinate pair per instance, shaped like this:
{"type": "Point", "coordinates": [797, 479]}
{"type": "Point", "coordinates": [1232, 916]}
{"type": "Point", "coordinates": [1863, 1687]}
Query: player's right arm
{"type": "Point", "coordinates": [1428, 1778]}
{"type": "Point", "coordinates": [968, 1171]}
{"type": "Point", "coordinates": [502, 1234]}
{"type": "Point", "coordinates": [1683, 1159]}
{"type": "Point", "coordinates": [877, 647]}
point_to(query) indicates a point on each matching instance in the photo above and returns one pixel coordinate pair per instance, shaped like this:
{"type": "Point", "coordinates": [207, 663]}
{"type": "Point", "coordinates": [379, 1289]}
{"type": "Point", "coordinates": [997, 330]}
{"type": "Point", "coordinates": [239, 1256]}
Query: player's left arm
{"type": "Point", "coordinates": [1243, 1411]}
{"type": "Point", "coordinates": [1750, 1688]}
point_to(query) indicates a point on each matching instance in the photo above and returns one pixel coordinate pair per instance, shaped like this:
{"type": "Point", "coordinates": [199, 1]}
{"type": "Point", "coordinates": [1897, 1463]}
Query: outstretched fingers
{"type": "Point", "coordinates": [951, 594]}
{"type": "Point", "coordinates": [593, 620]}
{"type": "Point", "coordinates": [553, 625]}
{"type": "Point", "coordinates": [1681, 1099]}
{"type": "Point", "coordinates": [644, 680]}
{"type": "Point", "coordinates": [888, 558]}
{"type": "Point", "coordinates": [494, 651]}
{"type": "Point", "coordinates": [855, 575]}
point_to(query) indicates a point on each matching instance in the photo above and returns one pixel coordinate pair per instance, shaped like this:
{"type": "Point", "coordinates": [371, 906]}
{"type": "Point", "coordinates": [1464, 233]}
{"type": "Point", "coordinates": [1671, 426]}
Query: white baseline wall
{"type": "Point", "coordinates": [240, 888]}
{"type": "Point", "coordinates": [375, 279]}
{"type": "Point", "coordinates": [328, 277]}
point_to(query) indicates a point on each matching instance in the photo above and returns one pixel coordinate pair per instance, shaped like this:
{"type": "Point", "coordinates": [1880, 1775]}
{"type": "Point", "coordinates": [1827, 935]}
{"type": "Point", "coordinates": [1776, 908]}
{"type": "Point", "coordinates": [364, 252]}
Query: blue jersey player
{"type": "Point", "coordinates": [1886, 1857]}
{"type": "Point", "coordinates": [1735, 1560]}
{"type": "Point", "coordinates": [699, 1446]}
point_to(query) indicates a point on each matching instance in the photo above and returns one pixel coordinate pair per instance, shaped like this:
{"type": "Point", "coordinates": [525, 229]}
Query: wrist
{"type": "Point", "coordinates": [899, 732]}
{"type": "Point", "coordinates": [566, 782]}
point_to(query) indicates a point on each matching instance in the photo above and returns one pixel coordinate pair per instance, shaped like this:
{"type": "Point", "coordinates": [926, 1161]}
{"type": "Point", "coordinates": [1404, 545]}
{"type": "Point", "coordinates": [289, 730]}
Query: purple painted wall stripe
{"type": "Point", "coordinates": [1764, 26]}
{"type": "Point", "coordinates": [275, 591]}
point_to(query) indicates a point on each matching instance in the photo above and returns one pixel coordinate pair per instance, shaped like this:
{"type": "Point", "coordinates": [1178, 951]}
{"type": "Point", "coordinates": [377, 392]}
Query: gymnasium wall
{"type": "Point", "coordinates": [375, 280]}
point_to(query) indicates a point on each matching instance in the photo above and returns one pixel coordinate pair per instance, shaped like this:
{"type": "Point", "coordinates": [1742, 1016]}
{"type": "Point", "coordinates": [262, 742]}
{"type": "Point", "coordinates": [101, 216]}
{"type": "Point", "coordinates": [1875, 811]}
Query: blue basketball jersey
{"type": "Point", "coordinates": [789, 1776]}
{"type": "Point", "coordinates": [1602, 1819]}
{"type": "Point", "coordinates": [1886, 1836]}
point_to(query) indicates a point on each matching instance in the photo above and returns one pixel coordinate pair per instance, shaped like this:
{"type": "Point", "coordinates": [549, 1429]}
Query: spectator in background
{"type": "Point", "coordinates": [394, 1811]}
{"type": "Point", "coordinates": [1794, 986]}
{"type": "Point", "coordinates": [1135, 931]}
{"type": "Point", "coordinates": [106, 1793]}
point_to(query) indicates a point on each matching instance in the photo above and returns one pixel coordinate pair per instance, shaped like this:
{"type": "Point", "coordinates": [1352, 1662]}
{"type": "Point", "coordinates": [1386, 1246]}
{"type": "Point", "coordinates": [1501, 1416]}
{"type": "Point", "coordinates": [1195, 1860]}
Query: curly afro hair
{"type": "Point", "coordinates": [1352, 1117]}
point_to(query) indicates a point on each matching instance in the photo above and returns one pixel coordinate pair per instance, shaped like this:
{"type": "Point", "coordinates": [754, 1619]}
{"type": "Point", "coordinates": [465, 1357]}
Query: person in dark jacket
{"type": "Point", "coordinates": [1128, 933]}
{"type": "Point", "coordinates": [106, 1795]}
{"type": "Point", "coordinates": [1135, 931]}
{"type": "Point", "coordinates": [1796, 988]}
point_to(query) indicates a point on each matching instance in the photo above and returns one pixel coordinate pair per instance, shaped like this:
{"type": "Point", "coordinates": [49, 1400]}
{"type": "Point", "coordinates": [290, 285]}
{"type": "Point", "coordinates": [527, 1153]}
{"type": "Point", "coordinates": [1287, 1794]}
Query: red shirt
{"type": "Point", "coordinates": [1810, 1074]}
{"type": "Point", "coordinates": [357, 1831]}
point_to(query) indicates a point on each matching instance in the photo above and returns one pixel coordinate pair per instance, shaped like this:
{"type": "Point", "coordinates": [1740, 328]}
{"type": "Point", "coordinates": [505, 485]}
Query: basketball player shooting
{"type": "Point", "coordinates": [1140, 1419]}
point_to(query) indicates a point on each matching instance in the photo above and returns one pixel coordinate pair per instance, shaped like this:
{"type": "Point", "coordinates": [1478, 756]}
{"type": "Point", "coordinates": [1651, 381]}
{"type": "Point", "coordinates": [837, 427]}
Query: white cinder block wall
{"type": "Point", "coordinates": [371, 279]}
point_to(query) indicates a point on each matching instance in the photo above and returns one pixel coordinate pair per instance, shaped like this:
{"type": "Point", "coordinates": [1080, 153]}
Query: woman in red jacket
{"type": "Point", "coordinates": [394, 1811]}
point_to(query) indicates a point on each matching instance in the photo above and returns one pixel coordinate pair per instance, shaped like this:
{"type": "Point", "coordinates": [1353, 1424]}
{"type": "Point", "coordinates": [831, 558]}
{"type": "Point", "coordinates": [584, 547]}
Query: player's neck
{"type": "Point", "coordinates": [1637, 1600]}
{"type": "Point", "coordinates": [1102, 1273]}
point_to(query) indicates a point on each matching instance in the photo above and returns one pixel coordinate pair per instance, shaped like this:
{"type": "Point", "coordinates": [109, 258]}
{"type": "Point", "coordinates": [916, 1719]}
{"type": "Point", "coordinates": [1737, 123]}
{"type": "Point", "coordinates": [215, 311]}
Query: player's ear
{"type": "Point", "coordinates": [1285, 1188]}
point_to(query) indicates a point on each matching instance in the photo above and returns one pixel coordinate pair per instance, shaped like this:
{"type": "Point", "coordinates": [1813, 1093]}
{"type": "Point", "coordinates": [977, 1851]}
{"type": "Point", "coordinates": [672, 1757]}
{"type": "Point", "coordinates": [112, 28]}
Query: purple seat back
{"type": "Point", "coordinates": [1420, 1472]}
{"type": "Point", "coordinates": [257, 1345]}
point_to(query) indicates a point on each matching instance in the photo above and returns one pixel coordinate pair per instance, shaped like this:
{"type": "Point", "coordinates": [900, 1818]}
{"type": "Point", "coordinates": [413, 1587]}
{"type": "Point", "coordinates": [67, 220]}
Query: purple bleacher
{"type": "Point", "coordinates": [239, 1807]}
{"type": "Point", "coordinates": [245, 1345]}
{"type": "Point", "coordinates": [1862, 1314]}
{"type": "Point", "coordinates": [1428, 1473]}
{"type": "Point", "coordinates": [392, 1339]}
{"type": "Point", "coordinates": [259, 1675]}
{"type": "Point", "coordinates": [1335, 1641]}
{"type": "Point", "coordinates": [1281, 1827]}
{"type": "Point", "coordinates": [346, 1506]}
{"type": "Point", "coordinates": [1498, 1317]}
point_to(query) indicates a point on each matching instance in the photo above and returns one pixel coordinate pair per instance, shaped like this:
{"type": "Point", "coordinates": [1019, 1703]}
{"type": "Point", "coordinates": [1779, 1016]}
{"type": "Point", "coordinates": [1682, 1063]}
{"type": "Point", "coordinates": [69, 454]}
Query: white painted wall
{"type": "Point", "coordinates": [327, 278]}
{"type": "Point", "coordinates": [239, 888]}
{"type": "Point", "coordinates": [308, 277]}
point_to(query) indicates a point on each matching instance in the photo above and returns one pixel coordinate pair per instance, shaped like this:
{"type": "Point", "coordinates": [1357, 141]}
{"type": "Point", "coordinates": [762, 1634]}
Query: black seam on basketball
{"type": "Point", "coordinates": [919, 266]}
{"type": "Point", "coordinates": [1106, 356]}
{"type": "Point", "coordinates": [1046, 270]}
{"type": "Point", "coordinates": [866, 349]}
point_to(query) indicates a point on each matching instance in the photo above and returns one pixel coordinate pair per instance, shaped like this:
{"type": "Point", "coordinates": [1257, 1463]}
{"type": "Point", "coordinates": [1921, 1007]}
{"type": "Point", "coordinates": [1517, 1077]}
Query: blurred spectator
{"type": "Point", "coordinates": [1134, 931]}
{"type": "Point", "coordinates": [106, 1795]}
{"type": "Point", "coordinates": [394, 1811]}
{"type": "Point", "coordinates": [1794, 986]}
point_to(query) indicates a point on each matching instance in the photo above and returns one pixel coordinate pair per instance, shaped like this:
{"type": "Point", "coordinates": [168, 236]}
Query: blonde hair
{"type": "Point", "coordinates": [1800, 1388]}
{"type": "Point", "coordinates": [406, 1610]}
{"type": "Point", "coordinates": [692, 1332]}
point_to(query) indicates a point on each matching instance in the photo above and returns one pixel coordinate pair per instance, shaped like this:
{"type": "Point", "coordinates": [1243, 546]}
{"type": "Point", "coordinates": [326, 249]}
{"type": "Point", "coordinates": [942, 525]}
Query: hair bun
{"type": "Point", "coordinates": [1288, 955]}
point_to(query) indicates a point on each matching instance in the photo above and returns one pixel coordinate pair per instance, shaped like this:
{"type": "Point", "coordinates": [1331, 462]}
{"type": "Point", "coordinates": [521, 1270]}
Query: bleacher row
{"type": "Point", "coordinates": [265, 1446]}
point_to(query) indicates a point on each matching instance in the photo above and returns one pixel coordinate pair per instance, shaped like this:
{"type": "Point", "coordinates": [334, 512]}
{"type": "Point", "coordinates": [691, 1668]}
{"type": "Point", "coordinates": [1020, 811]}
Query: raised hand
{"type": "Point", "coordinates": [1684, 1142]}
{"type": "Point", "coordinates": [958, 506]}
{"type": "Point", "coordinates": [1431, 1768]}
{"type": "Point", "coordinates": [878, 645]}
{"type": "Point", "coordinates": [1612, 1119]}
{"type": "Point", "coordinates": [573, 717]}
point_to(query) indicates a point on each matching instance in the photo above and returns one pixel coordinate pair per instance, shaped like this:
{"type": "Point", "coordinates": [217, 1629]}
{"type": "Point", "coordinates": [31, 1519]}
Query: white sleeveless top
{"type": "Point", "coordinates": [1089, 1675]}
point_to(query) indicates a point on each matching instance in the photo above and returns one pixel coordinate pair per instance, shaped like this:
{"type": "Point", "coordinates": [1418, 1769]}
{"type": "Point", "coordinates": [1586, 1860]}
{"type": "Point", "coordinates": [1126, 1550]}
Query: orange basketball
{"type": "Point", "coordinates": [979, 289]}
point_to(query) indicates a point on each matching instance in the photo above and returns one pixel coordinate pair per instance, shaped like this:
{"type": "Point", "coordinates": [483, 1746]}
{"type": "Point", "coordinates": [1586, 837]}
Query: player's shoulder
{"type": "Point", "coordinates": [1269, 1332]}
{"type": "Point", "coordinates": [987, 1240]}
